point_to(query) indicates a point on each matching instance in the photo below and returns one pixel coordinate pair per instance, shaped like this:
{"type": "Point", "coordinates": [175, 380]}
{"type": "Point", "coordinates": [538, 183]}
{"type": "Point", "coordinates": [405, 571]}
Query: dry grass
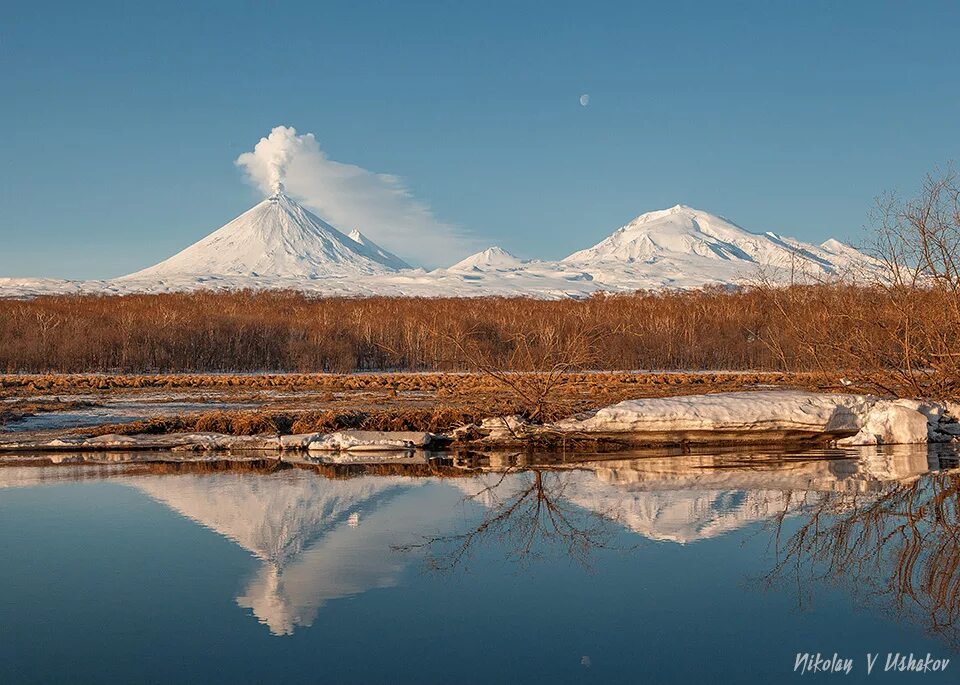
{"type": "Point", "coordinates": [273, 423]}
{"type": "Point", "coordinates": [396, 384]}
{"type": "Point", "coordinates": [431, 402]}
{"type": "Point", "coordinates": [19, 409]}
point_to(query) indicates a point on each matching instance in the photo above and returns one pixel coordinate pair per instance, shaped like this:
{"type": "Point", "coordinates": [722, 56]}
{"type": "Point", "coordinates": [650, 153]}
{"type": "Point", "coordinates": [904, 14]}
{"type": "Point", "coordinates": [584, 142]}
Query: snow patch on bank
{"type": "Point", "coordinates": [852, 419]}
{"type": "Point", "coordinates": [734, 411]}
{"type": "Point", "coordinates": [706, 420]}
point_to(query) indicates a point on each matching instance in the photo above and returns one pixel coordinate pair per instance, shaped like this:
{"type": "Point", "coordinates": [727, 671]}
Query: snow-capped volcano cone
{"type": "Point", "coordinates": [276, 238]}
{"type": "Point", "coordinates": [493, 258]}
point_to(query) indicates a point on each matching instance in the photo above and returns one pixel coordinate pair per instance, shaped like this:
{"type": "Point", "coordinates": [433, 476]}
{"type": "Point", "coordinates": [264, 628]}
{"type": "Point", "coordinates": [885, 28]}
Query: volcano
{"type": "Point", "coordinates": [706, 248]}
{"type": "Point", "coordinates": [278, 238]}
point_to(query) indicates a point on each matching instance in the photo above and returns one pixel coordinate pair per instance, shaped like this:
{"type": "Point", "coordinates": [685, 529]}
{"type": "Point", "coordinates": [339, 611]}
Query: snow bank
{"type": "Point", "coordinates": [902, 422]}
{"type": "Point", "coordinates": [371, 441]}
{"type": "Point", "coordinates": [746, 416]}
{"type": "Point", "coordinates": [734, 411]}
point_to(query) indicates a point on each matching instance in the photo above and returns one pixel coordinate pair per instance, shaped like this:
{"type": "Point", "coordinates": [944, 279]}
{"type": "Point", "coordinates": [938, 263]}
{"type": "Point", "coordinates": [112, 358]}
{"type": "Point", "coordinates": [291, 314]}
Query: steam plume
{"type": "Point", "coordinates": [351, 197]}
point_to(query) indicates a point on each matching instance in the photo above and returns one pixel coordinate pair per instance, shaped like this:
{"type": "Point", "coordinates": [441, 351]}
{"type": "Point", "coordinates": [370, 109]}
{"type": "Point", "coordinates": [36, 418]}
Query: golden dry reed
{"type": "Point", "coordinates": [834, 328]}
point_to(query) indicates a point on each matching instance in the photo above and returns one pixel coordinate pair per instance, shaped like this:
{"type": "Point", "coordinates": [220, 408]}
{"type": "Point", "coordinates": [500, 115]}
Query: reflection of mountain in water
{"type": "Point", "coordinates": [274, 516]}
{"type": "Point", "coordinates": [688, 498]}
{"type": "Point", "coordinates": [320, 539]}
{"type": "Point", "coordinates": [695, 498]}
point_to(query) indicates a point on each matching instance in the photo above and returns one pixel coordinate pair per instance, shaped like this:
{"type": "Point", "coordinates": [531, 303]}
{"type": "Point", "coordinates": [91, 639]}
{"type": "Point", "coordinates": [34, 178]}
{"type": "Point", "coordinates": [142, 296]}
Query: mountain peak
{"type": "Point", "coordinates": [279, 194]}
{"type": "Point", "coordinates": [382, 255]}
{"type": "Point", "coordinates": [682, 240]}
{"type": "Point", "coordinates": [276, 238]}
{"type": "Point", "coordinates": [494, 258]}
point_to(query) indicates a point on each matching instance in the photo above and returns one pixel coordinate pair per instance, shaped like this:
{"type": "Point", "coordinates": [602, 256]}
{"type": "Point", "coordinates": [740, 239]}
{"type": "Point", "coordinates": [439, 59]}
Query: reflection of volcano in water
{"type": "Point", "coordinates": [695, 498]}
{"type": "Point", "coordinates": [688, 498]}
{"type": "Point", "coordinates": [275, 517]}
{"type": "Point", "coordinates": [319, 539]}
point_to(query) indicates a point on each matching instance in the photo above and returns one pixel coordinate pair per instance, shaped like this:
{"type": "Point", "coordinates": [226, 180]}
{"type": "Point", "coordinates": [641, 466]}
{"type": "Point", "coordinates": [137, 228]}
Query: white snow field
{"type": "Point", "coordinates": [278, 244]}
{"type": "Point", "coordinates": [854, 419]}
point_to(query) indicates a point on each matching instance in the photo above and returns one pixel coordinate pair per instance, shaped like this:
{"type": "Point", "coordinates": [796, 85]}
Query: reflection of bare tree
{"type": "Point", "coordinates": [529, 516]}
{"type": "Point", "coordinates": [902, 543]}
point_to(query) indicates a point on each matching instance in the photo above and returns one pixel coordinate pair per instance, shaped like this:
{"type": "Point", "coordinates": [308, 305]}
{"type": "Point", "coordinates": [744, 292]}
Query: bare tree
{"type": "Point", "coordinates": [531, 363]}
{"type": "Point", "coordinates": [527, 514]}
{"type": "Point", "coordinates": [901, 543]}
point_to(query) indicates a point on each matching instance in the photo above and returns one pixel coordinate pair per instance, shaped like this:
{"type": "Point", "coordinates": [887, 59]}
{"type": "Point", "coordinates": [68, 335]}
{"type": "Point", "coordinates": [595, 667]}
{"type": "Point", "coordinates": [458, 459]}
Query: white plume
{"type": "Point", "coordinates": [351, 197]}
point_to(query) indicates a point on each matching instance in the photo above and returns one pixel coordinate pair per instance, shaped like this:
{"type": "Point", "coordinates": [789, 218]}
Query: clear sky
{"type": "Point", "coordinates": [121, 121]}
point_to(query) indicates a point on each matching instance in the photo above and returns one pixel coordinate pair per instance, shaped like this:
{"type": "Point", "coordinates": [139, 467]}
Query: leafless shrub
{"type": "Point", "coordinates": [527, 513]}
{"type": "Point", "coordinates": [901, 543]}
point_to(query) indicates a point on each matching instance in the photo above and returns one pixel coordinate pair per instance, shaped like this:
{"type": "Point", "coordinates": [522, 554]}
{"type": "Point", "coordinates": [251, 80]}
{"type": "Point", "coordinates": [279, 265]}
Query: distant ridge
{"type": "Point", "coordinates": [386, 258]}
{"type": "Point", "coordinates": [278, 244]}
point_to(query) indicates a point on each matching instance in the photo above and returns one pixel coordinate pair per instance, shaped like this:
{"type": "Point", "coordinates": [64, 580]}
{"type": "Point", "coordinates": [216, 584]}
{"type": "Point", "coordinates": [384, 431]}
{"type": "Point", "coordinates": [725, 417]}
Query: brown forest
{"type": "Point", "coordinates": [836, 328]}
{"type": "Point", "coordinates": [898, 331]}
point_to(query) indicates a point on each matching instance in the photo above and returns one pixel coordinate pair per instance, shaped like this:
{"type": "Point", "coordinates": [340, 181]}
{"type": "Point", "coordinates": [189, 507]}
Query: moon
{"type": "Point", "coordinates": [584, 100]}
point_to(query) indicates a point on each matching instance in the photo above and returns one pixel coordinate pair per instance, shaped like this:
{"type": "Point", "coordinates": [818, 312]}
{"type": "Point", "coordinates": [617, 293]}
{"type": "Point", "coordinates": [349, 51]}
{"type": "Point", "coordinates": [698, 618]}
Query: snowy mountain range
{"type": "Point", "coordinates": [280, 244]}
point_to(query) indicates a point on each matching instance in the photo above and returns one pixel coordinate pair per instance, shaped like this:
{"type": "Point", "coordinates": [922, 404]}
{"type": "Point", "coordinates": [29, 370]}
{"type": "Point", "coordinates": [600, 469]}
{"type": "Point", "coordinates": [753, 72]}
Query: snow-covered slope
{"type": "Point", "coordinates": [276, 238]}
{"type": "Point", "coordinates": [492, 259]}
{"type": "Point", "coordinates": [708, 248]}
{"type": "Point", "coordinates": [279, 244]}
{"type": "Point", "coordinates": [385, 257]}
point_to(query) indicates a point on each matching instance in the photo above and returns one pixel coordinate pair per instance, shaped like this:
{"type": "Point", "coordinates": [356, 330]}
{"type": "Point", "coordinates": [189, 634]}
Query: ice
{"type": "Point", "coordinates": [893, 423]}
{"type": "Point", "coordinates": [370, 441]}
{"type": "Point", "coordinates": [782, 410]}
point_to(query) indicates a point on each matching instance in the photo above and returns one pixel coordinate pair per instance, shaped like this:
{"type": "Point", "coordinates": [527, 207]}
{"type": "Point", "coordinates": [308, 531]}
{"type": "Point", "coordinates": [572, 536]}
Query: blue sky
{"type": "Point", "coordinates": [122, 121]}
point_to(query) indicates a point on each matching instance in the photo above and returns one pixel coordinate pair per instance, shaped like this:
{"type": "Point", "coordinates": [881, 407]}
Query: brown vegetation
{"type": "Point", "coordinates": [290, 332]}
{"type": "Point", "coordinates": [863, 332]}
{"type": "Point", "coordinates": [898, 333]}
{"type": "Point", "coordinates": [458, 386]}
{"type": "Point", "coordinates": [19, 409]}
{"type": "Point", "coordinates": [273, 423]}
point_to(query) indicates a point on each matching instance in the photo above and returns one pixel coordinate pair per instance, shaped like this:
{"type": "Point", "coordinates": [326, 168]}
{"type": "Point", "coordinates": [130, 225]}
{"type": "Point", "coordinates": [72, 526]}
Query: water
{"type": "Point", "coordinates": [676, 569]}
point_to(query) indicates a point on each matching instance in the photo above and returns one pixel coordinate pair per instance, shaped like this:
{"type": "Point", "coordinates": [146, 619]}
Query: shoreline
{"type": "Point", "coordinates": [744, 418]}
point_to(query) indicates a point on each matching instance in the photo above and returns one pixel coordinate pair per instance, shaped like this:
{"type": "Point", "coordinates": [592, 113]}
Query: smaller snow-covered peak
{"type": "Point", "coordinates": [381, 255]}
{"type": "Point", "coordinates": [835, 246]}
{"type": "Point", "coordinates": [849, 257]}
{"type": "Point", "coordinates": [493, 258]}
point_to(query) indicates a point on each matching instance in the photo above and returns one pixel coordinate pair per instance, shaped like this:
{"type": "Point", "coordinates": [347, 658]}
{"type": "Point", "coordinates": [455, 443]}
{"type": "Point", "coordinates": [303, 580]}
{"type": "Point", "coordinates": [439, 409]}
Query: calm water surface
{"type": "Point", "coordinates": [681, 569]}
